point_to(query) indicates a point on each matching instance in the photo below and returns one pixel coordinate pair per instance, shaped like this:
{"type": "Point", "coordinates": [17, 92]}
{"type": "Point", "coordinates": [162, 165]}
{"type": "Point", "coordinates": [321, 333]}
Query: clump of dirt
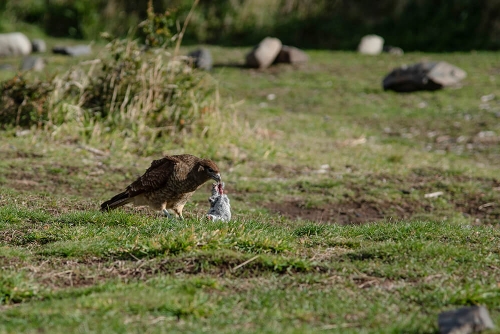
{"type": "Point", "coordinates": [480, 203]}
{"type": "Point", "coordinates": [59, 273]}
{"type": "Point", "coordinates": [355, 212]}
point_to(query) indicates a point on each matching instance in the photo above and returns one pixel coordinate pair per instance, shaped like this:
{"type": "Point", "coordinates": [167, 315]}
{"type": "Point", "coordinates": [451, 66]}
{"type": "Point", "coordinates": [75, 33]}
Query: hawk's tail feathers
{"type": "Point", "coordinates": [116, 201]}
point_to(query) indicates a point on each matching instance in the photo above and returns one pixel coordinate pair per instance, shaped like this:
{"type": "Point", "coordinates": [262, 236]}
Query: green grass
{"type": "Point", "coordinates": [355, 247]}
{"type": "Point", "coordinates": [120, 272]}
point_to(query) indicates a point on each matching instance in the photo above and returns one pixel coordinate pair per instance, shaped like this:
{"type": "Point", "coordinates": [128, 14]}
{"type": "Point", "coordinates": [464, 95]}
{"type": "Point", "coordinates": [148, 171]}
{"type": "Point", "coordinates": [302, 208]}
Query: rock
{"type": "Point", "coordinates": [38, 45]}
{"type": "Point", "coordinates": [201, 59]}
{"type": "Point", "coordinates": [7, 67]}
{"type": "Point", "coordinates": [33, 63]}
{"type": "Point", "coordinates": [220, 208]}
{"type": "Point", "coordinates": [264, 54]}
{"type": "Point", "coordinates": [14, 44]}
{"type": "Point", "coordinates": [393, 50]}
{"type": "Point", "coordinates": [446, 74]}
{"type": "Point", "coordinates": [291, 55]}
{"type": "Point", "coordinates": [76, 50]}
{"type": "Point", "coordinates": [371, 45]}
{"type": "Point", "coordinates": [465, 320]}
{"type": "Point", "coordinates": [423, 76]}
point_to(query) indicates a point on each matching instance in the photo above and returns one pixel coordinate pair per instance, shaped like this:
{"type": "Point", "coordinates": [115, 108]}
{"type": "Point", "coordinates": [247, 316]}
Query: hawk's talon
{"type": "Point", "coordinates": [167, 214]}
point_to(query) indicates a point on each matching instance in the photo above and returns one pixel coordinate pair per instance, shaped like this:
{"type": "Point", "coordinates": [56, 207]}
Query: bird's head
{"type": "Point", "coordinates": [210, 169]}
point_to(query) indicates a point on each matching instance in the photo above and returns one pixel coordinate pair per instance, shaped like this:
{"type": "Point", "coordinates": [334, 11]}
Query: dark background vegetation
{"type": "Point", "coordinates": [425, 25]}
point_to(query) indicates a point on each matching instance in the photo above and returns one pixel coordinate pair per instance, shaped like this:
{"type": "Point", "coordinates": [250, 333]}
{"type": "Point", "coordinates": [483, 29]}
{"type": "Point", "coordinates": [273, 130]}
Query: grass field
{"type": "Point", "coordinates": [332, 230]}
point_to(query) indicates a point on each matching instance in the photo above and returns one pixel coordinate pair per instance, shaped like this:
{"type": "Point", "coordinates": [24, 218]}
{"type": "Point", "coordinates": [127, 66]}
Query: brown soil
{"type": "Point", "coordinates": [63, 273]}
{"type": "Point", "coordinates": [342, 213]}
{"type": "Point", "coordinates": [356, 210]}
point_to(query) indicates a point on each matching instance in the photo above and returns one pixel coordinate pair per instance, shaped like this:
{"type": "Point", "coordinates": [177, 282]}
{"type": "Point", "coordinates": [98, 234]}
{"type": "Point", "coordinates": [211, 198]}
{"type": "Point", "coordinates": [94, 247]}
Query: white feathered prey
{"type": "Point", "coordinates": [220, 208]}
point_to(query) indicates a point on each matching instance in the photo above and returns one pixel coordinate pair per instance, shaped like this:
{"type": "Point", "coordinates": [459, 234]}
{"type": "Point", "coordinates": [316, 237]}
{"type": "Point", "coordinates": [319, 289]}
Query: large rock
{"type": "Point", "coordinates": [423, 76]}
{"type": "Point", "coordinates": [76, 50]}
{"type": "Point", "coordinates": [264, 54]}
{"type": "Point", "coordinates": [371, 45]}
{"type": "Point", "coordinates": [38, 45]}
{"type": "Point", "coordinates": [446, 74]}
{"type": "Point", "coordinates": [465, 320]}
{"type": "Point", "coordinates": [14, 44]}
{"type": "Point", "coordinates": [291, 55]}
{"type": "Point", "coordinates": [201, 59]}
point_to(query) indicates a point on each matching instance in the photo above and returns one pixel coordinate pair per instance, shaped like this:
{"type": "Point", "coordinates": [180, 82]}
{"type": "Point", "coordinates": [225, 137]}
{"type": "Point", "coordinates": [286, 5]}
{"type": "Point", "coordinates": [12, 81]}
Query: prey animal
{"type": "Point", "coordinates": [167, 184]}
{"type": "Point", "coordinates": [220, 207]}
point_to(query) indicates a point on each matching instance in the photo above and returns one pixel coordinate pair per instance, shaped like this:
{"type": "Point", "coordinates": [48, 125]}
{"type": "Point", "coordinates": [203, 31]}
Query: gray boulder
{"type": "Point", "coordinates": [371, 45]}
{"type": "Point", "coordinates": [76, 50]}
{"type": "Point", "coordinates": [423, 76]}
{"type": "Point", "coordinates": [201, 58]}
{"type": "Point", "coordinates": [33, 63]}
{"type": "Point", "coordinates": [38, 45]}
{"type": "Point", "coordinates": [263, 55]}
{"type": "Point", "coordinates": [465, 320]}
{"type": "Point", "coordinates": [291, 55]}
{"type": "Point", "coordinates": [14, 44]}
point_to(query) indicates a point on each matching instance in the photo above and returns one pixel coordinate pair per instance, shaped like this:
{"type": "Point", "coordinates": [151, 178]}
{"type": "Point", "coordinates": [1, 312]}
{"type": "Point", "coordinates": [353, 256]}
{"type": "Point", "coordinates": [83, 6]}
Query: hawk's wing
{"type": "Point", "coordinates": [155, 177]}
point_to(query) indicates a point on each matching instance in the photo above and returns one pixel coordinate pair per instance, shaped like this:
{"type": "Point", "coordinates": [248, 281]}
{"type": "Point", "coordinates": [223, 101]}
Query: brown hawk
{"type": "Point", "coordinates": [167, 184]}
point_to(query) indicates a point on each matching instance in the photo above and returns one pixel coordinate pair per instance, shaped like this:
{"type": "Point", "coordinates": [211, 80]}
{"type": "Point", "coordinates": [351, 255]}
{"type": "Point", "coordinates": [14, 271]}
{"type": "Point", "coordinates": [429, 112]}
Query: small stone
{"type": "Point", "coordinates": [7, 67]}
{"type": "Point", "coordinates": [33, 63]}
{"type": "Point", "coordinates": [442, 139]}
{"type": "Point", "coordinates": [22, 133]}
{"type": "Point", "coordinates": [76, 50]}
{"type": "Point", "coordinates": [38, 45]}
{"type": "Point", "coordinates": [201, 59]}
{"type": "Point", "coordinates": [487, 98]}
{"type": "Point", "coordinates": [484, 106]}
{"type": "Point", "coordinates": [465, 320]}
{"type": "Point", "coordinates": [393, 50]}
{"type": "Point", "coordinates": [486, 137]}
{"type": "Point", "coordinates": [371, 45]}
{"type": "Point", "coordinates": [486, 134]}
{"type": "Point", "coordinates": [434, 194]}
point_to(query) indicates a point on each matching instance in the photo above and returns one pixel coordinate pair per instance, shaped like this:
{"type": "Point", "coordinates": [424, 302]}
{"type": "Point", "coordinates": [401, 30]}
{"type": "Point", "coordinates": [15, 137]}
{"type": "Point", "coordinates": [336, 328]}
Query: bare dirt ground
{"type": "Point", "coordinates": [482, 206]}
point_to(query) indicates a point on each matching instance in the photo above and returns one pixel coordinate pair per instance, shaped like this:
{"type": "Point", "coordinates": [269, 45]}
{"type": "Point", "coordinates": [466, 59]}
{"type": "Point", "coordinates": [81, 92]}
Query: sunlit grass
{"type": "Point", "coordinates": [282, 264]}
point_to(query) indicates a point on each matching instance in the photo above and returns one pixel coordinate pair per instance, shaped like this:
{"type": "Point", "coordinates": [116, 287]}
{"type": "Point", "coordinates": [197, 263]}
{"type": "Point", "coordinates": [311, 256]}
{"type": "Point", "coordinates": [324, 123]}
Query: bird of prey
{"type": "Point", "coordinates": [167, 184]}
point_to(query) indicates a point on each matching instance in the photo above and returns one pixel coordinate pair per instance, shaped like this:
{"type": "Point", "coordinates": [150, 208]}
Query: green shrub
{"type": "Point", "coordinates": [136, 92]}
{"type": "Point", "coordinates": [156, 30]}
{"type": "Point", "coordinates": [24, 103]}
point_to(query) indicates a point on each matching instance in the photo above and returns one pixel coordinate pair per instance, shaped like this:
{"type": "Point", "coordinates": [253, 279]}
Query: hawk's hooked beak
{"type": "Point", "coordinates": [217, 177]}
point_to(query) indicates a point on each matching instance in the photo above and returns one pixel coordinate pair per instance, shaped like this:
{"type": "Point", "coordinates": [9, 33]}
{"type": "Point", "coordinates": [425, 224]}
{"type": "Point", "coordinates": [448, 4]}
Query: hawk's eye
{"type": "Point", "coordinates": [210, 170]}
